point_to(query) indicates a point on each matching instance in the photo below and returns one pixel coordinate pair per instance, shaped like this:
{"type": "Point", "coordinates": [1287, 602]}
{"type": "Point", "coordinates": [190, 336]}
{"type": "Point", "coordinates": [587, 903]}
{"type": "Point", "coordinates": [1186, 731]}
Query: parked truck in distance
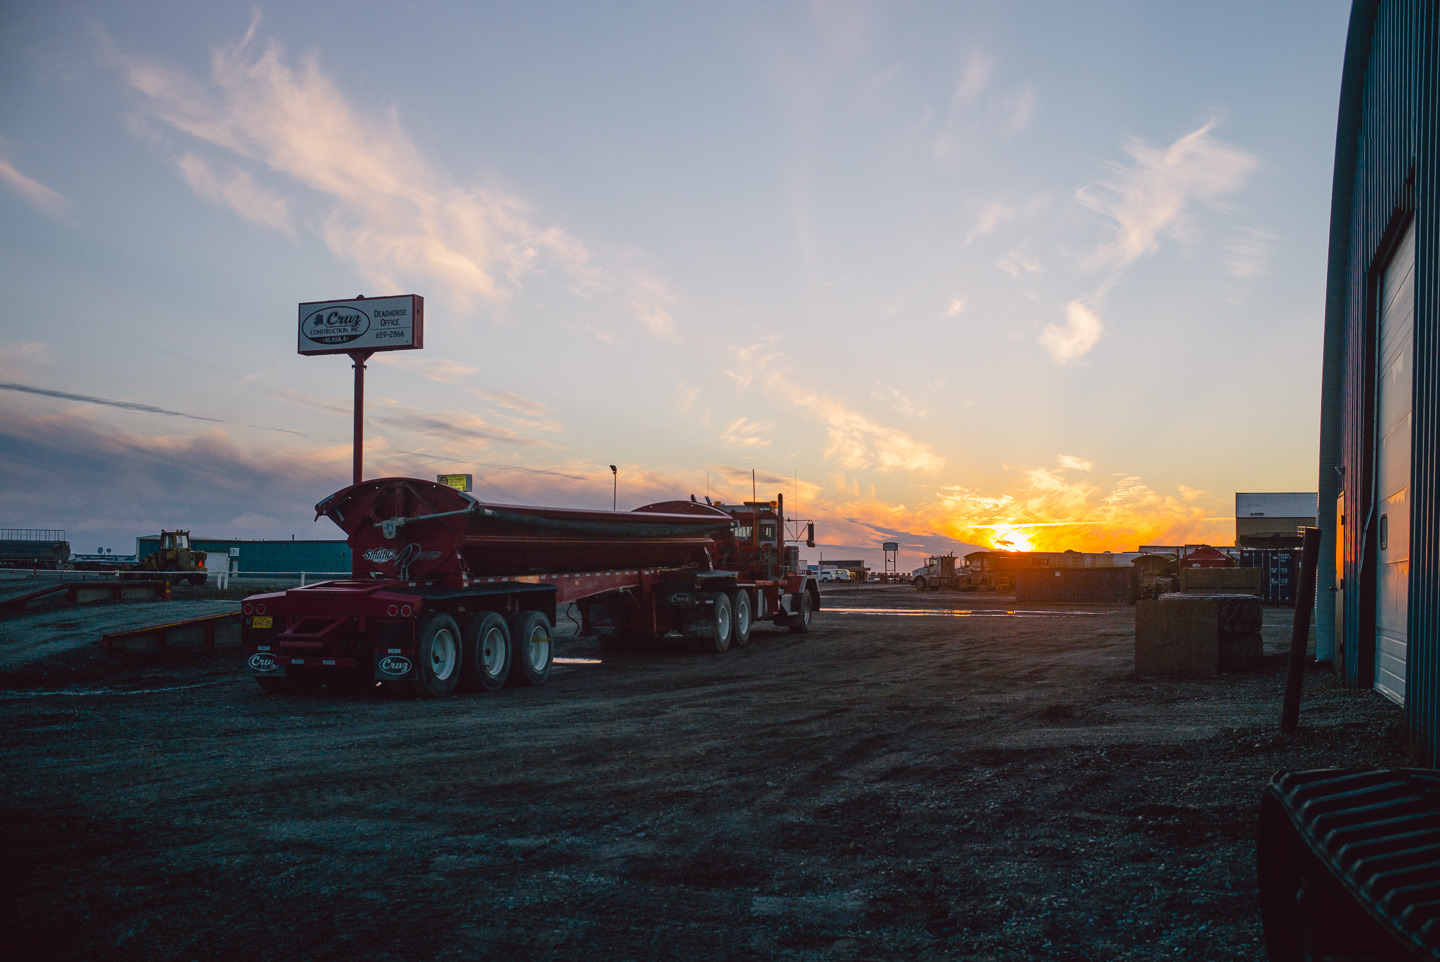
{"type": "Point", "coordinates": [447, 592]}
{"type": "Point", "coordinates": [982, 571]}
{"type": "Point", "coordinates": [939, 571]}
{"type": "Point", "coordinates": [36, 548]}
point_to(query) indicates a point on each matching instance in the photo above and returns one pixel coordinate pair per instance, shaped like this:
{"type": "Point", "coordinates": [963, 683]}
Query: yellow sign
{"type": "Point", "coordinates": [460, 482]}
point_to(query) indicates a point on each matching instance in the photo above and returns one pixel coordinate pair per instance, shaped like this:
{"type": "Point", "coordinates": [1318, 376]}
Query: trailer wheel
{"type": "Point", "coordinates": [273, 685]}
{"type": "Point", "coordinates": [437, 657]}
{"type": "Point", "coordinates": [533, 651]}
{"type": "Point", "coordinates": [800, 621]}
{"type": "Point", "coordinates": [744, 620]}
{"type": "Point", "coordinates": [197, 580]}
{"type": "Point", "coordinates": [487, 653]}
{"type": "Point", "coordinates": [724, 624]}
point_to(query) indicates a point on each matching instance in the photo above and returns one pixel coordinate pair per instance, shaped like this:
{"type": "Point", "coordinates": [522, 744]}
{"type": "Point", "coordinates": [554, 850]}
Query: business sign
{"type": "Point", "coordinates": [460, 482]}
{"type": "Point", "coordinates": [362, 324]}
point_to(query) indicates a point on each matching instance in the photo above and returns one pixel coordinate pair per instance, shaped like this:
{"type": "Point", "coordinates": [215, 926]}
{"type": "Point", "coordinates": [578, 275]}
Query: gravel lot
{"type": "Point", "coordinates": [921, 776]}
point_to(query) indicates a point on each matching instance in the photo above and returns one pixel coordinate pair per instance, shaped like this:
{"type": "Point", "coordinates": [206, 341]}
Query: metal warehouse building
{"type": "Point", "coordinates": [1379, 481]}
{"type": "Point", "coordinates": [264, 557]}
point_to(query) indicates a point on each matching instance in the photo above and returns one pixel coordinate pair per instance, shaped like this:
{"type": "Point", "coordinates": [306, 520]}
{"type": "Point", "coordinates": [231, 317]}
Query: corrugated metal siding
{"type": "Point", "coordinates": [1390, 111]}
{"type": "Point", "coordinates": [1423, 676]}
{"type": "Point", "coordinates": [265, 557]}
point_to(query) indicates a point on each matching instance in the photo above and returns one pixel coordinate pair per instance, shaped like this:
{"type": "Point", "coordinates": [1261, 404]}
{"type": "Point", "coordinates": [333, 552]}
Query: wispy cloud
{"type": "Point", "coordinates": [1145, 200]}
{"type": "Point", "coordinates": [203, 481]}
{"type": "Point", "coordinates": [1247, 254]}
{"type": "Point", "coordinates": [452, 427]}
{"type": "Point", "coordinates": [1149, 197]}
{"type": "Point", "coordinates": [1073, 339]}
{"type": "Point", "coordinates": [106, 402]}
{"type": "Point", "coordinates": [357, 179]}
{"type": "Point", "coordinates": [956, 308]}
{"type": "Point", "coordinates": [135, 406]}
{"type": "Point", "coordinates": [977, 108]}
{"type": "Point", "coordinates": [238, 191]}
{"type": "Point", "coordinates": [1020, 264]}
{"type": "Point", "coordinates": [37, 194]}
{"type": "Point", "coordinates": [516, 408]}
{"type": "Point", "coordinates": [745, 433]}
{"type": "Point", "coordinates": [901, 402]}
{"type": "Point", "coordinates": [995, 214]}
{"type": "Point", "coordinates": [854, 441]}
{"type": "Point", "coordinates": [21, 361]}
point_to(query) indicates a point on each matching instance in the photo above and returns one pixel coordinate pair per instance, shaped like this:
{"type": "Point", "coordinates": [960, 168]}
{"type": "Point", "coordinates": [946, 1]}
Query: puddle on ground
{"type": "Point", "coordinates": [95, 692]}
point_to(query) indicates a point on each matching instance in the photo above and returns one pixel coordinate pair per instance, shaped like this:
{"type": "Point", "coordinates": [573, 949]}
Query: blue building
{"type": "Point", "coordinates": [264, 557]}
{"type": "Point", "coordinates": [1378, 597]}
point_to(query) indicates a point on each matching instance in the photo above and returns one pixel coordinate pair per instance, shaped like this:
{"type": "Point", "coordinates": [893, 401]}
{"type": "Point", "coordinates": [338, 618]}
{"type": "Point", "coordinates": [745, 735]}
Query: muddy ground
{"type": "Point", "coordinates": [901, 783]}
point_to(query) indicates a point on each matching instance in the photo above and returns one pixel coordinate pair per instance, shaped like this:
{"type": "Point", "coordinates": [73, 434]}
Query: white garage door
{"type": "Point", "coordinates": [1392, 470]}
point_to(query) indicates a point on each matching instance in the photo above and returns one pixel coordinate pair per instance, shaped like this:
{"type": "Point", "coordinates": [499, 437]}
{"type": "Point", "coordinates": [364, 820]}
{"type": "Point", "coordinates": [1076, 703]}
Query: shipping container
{"type": "Point", "coordinates": [1281, 573]}
{"type": "Point", "coordinates": [1075, 585]}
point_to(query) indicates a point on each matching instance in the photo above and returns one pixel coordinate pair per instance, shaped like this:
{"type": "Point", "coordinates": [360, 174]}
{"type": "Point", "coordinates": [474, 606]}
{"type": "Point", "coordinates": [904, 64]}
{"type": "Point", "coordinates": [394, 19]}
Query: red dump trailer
{"type": "Point", "coordinates": [449, 592]}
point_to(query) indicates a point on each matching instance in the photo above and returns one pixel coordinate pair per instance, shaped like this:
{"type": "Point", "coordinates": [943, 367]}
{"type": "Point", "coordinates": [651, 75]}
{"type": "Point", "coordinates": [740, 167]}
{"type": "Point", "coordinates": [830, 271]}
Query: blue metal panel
{"type": "Point", "coordinates": [265, 557]}
{"type": "Point", "coordinates": [1387, 171]}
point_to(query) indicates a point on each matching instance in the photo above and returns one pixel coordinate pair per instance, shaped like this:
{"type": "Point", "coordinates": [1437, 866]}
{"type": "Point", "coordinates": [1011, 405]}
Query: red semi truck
{"type": "Point", "coordinates": [447, 592]}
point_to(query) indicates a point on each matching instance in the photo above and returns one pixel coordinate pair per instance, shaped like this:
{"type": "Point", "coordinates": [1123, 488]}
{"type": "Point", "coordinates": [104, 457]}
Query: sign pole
{"type": "Point", "coordinates": [359, 327]}
{"type": "Point", "coordinates": [359, 357]}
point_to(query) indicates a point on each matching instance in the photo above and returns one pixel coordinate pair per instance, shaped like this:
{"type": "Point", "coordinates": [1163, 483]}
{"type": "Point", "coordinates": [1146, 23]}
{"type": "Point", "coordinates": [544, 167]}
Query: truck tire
{"type": "Point", "coordinates": [724, 624]}
{"type": "Point", "coordinates": [533, 651]}
{"type": "Point", "coordinates": [438, 657]}
{"type": "Point", "coordinates": [197, 580]}
{"type": "Point", "coordinates": [920, 584]}
{"type": "Point", "coordinates": [744, 617]}
{"type": "Point", "coordinates": [487, 653]}
{"type": "Point", "coordinates": [800, 621]}
{"type": "Point", "coordinates": [273, 685]}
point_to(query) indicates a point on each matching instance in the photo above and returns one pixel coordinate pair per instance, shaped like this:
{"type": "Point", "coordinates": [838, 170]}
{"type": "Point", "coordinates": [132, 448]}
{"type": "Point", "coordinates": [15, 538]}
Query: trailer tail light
{"type": "Point", "coordinates": [252, 609]}
{"type": "Point", "coordinates": [406, 611]}
{"type": "Point", "coordinates": [393, 610]}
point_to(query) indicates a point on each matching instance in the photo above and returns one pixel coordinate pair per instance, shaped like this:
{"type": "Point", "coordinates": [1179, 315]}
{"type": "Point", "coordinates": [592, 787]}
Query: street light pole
{"type": "Point", "coordinates": [614, 488]}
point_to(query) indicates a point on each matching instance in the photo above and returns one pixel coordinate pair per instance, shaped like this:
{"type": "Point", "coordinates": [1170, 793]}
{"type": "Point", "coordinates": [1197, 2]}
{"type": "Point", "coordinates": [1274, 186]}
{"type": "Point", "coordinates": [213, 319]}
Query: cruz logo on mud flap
{"type": "Point", "coordinates": [395, 665]}
{"type": "Point", "coordinates": [262, 661]}
{"type": "Point", "coordinates": [335, 325]}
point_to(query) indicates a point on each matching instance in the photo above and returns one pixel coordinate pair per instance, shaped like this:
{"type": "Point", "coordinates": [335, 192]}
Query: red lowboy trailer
{"type": "Point", "coordinates": [448, 592]}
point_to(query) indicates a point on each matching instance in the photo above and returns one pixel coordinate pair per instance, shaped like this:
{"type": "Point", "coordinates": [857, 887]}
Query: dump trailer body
{"type": "Point", "coordinates": [447, 591]}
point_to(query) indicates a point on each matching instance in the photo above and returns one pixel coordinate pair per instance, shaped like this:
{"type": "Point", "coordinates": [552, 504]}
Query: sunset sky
{"type": "Point", "coordinates": [949, 274]}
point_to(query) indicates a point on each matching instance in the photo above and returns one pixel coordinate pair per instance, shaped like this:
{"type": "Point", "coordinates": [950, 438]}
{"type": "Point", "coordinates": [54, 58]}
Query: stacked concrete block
{"type": "Point", "coordinates": [1222, 581]}
{"type": "Point", "coordinates": [1192, 634]}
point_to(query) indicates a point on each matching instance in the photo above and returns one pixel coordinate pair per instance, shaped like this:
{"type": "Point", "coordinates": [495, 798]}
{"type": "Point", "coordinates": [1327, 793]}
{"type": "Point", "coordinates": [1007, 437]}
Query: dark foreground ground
{"type": "Point", "coordinates": [905, 782]}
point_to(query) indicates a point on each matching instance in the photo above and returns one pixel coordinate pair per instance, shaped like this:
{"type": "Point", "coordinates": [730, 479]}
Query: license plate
{"type": "Point", "coordinates": [262, 621]}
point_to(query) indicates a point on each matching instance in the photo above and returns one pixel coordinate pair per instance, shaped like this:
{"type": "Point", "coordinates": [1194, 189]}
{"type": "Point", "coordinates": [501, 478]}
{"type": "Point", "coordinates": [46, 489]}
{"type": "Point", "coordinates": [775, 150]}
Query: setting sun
{"type": "Point", "coordinates": [1010, 538]}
